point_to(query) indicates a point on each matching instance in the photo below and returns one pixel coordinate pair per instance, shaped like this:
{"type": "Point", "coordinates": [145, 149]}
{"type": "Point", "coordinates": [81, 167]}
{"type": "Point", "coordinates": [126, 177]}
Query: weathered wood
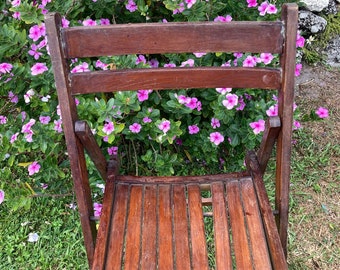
{"type": "Point", "coordinates": [134, 229]}
{"type": "Point", "coordinates": [198, 242]}
{"type": "Point", "coordinates": [173, 38]}
{"type": "Point", "coordinates": [221, 228]}
{"type": "Point", "coordinates": [273, 239]}
{"type": "Point", "coordinates": [174, 78]}
{"type": "Point", "coordinates": [149, 228]}
{"type": "Point", "coordinates": [165, 232]}
{"type": "Point", "coordinates": [114, 255]}
{"type": "Point", "coordinates": [86, 137]}
{"type": "Point", "coordinates": [180, 225]}
{"type": "Point", "coordinates": [270, 134]}
{"type": "Point", "coordinates": [238, 229]}
{"type": "Point", "coordinates": [257, 237]}
{"type": "Point", "coordinates": [289, 16]}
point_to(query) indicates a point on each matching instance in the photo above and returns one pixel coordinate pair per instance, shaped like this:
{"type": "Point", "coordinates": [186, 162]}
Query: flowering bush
{"type": "Point", "coordinates": [154, 132]}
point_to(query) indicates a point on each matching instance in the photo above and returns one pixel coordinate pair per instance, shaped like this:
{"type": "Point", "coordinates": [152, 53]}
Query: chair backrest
{"type": "Point", "coordinates": [276, 37]}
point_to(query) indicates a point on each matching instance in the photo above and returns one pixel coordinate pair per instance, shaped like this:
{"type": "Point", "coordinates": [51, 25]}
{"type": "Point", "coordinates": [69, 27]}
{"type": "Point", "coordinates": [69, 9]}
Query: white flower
{"type": "Point", "coordinates": [33, 237]}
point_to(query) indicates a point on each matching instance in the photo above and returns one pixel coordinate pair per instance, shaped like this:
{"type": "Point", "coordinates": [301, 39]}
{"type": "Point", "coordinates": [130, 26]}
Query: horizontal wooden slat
{"type": "Point", "coordinates": [174, 78]}
{"type": "Point", "coordinates": [154, 38]}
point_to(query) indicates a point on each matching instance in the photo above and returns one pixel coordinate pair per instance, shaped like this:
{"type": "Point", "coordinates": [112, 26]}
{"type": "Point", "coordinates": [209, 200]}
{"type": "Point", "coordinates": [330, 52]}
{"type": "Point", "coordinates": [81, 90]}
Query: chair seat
{"type": "Point", "coordinates": [164, 226]}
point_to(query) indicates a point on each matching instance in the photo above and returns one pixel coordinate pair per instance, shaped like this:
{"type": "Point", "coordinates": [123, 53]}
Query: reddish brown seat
{"type": "Point", "coordinates": [158, 222]}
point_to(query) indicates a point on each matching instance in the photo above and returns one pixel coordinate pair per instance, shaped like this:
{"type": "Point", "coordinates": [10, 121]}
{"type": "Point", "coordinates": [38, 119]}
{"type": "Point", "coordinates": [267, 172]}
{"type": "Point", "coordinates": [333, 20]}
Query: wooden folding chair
{"type": "Point", "coordinates": [157, 222]}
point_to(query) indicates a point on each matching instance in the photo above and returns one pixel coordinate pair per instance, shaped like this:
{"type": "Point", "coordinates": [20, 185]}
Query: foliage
{"type": "Point", "coordinates": [156, 132]}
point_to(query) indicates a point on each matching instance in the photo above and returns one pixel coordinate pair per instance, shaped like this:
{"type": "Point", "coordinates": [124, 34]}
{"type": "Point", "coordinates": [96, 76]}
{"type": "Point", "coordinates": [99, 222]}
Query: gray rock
{"type": "Point", "coordinates": [311, 23]}
{"type": "Point", "coordinates": [315, 5]}
{"type": "Point", "coordinates": [333, 52]}
{"type": "Point", "coordinates": [331, 8]}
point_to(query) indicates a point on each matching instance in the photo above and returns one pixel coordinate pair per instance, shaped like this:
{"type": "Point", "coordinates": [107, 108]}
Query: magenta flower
{"type": "Point", "coordinates": [83, 67]}
{"type": "Point", "coordinates": [143, 95]}
{"type": "Point", "coordinates": [140, 59]}
{"type": "Point", "coordinates": [193, 129]}
{"type": "Point", "coordinates": [89, 22]}
{"type": "Point", "coordinates": [135, 128]}
{"type": "Point", "coordinates": [249, 61]}
{"type": "Point", "coordinates": [180, 8]}
{"type": "Point", "coordinates": [147, 120]}
{"type": "Point", "coordinates": [101, 65]}
{"type": "Point", "coordinates": [16, 15]}
{"type": "Point", "coordinates": [241, 103]}
{"type": "Point", "coordinates": [113, 151]}
{"type": "Point", "coordinates": [3, 119]}
{"type": "Point", "coordinates": [97, 207]}
{"type": "Point", "coordinates": [300, 41]}
{"type": "Point", "coordinates": [154, 63]}
{"type": "Point", "coordinates": [2, 196]}
{"type": "Point", "coordinates": [33, 168]}
{"type": "Point", "coordinates": [169, 65]}
{"type": "Point", "coordinates": [65, 23]}
{"type": "Point", "coordinates": [44, 120]}
{"type": "Point", "coordinates": [16, 3]}
{"type": "Point", "coordinates": [216, 138]}
{"type": "Point", "coordinates": [227, 18]}
{"type": "Point", "coordinates": [271, 9]}
{"type": "Point", "coordinates": [258, 126]}
{"type": "Point", "coordinates": [191, 103]}
{"type": "Point", "coordinates": [252, 3]}
{"type": "Point", "coordinates": [298, 69]}
{"type": "Point", "coordinates": [272, 111]}
{"type": "Point", "coordinates": [199, 55]}
{"type": "Point", "coordinates": [57, 126]}
{"type": "Point", "coordinates": [131, 6]}
{"type": "Point", "coordinates": [34, 52]}
{"type": "Point", "coordinates": [5, 67]}
{"type": "Point", "coordinates": [190, 3]}
{"type": "Point", "coordinates": [215, 123]}
{"type": "Point", "coordinates": [108, 128]}
{"type": "Point", "coordinates": [37, 31]}
{"type": "Point", "coordinates": [164, 126]}
{"type": "Point", "coordinates": [223, 90]}
{"type": "Point", "coordinates": [190, 62]}
{"type": "Point", "coordinates": [263, 8]}
{"type": "Point", "coordinates": [27, 127]}
{"type": "Point", "coordinates": [266, 58]}
{"type": "Point", "coordinates": [104, 21]}
{"type": "Point", "coordinates": [231, 101]}
{"type": "Point", "coordinates": [14, 137]}
{"type": "Point", "coordinates": [296, 125]}
{"type": "Point", "coordinates": [322, 112]}
{"type": "Point", "coordinates": [38, 68]}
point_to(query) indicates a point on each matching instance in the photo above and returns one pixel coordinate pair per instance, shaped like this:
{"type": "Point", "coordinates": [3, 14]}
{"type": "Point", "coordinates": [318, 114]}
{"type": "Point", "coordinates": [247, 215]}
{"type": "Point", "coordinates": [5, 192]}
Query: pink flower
{"type": "Point", "coordinates": [57, 126]}
{"type": "Point", "coordinates": [193, 129]}
{"type": "Point", "coordinates": [5, 67]}
{"type": "Point", "coordinates": [164, 126]}
{"type": "Point", "coordinates": [143, 95]}
{"type": "Point", "coordinates": [241, 103]}
{"type": "Point", "coordinates": [2, 196]}
{"type": "Point", "coordinates": [258, 126]}
{"type": "Point", "coordinates": [215, 123]}
{"type": "Point", "coordinates": [83, 67]}
{"type": "Point", "coordinates": [154, 63]}
{"type": "Point", "coordinates": [34, 52]}
{"type": "Point", "coordinates": [108, 128]}
{"type": "Point", "coordinates": [266, 58]}
{"type": "Point", "coordinates": [170, 65]}
{"type": "Point", "coordinates": [30, 93]}
{"type": "Point", "coordinates": [272, 111]}
{"type": "Point", "coordinates": [263, 8]}
{"type": "Point", "coordinates": [97, 207]}
{"type": "Point", "coordinates": [113, 151]}
{"type": "Point", "coordinates": [89, 22]}
{"type": "Point", "coordinates": [3, 120]}
{"type": "Point", "coordinates": [27, 127]}
{"type": "Point", "coordinates": [180, 8]}
{"type": "Point", "coordinates": [227, 18]}
{"type": "Point", "coordinates": [271, 9]}
{"type": "Point", "coordinates": [191, 103]}
{"type": "Point", "coordinates": [298, 69]}
{"type": "Point", "coordinates": [16, 15]}
{"type": "Point", "coordinates": [44, 120]}
{"type": "Point", "coordinates": [199, 55]}
{"type": "Point", "coordinates": [135, 128]}
{"type": "Point", "coordinates": [300, 41]}
{"type": "Point", "coordinates": [33, 168]}
{"type": "Point", "coordinates": [249, 61]}
{"type": "Point", "coordinates": [140, 59]}
{"type": "Point", "coordinates": [37, 31]}
{"type": "Point", "coordinates": [190, 3]}
{"type": "Point", "coordinates": [16, 3]}
{"type": "Point", "coordinates": [322, 112]}
{"type": "Point", "coordinates": [65, 23]}
{"type": "Point", "coordinates": [14, 137]}
{"type": "Point", "coordinates": [104, 21]}
{"type": "Point", "coordinates": [189, 62]}
{"type": "Point", "coordinates": [12, 97]}
{"type": "Point", "coordinates": [131, 6]}
{"type": "Point", "coordinates": [252, 3]}
{"type": "Point", "coordinates": [38, 68]}
{"type": "Point", "coordinates": [223, 90]}
{"type": "Point", "coordinates": [231, 101]}
{"type": "Point", "coordinates": [100, 64]}
{"type": "Point", "coordinates": [216, 138]}
{"type": "Point", "coordinates": [296, 125]}
{"type": "Point", "coordinates": [147, 120]}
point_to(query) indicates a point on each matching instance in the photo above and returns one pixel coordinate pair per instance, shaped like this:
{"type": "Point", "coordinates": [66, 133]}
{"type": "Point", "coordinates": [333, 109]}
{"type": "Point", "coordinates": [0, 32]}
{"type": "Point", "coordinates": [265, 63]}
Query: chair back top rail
{"type": "Point", "coordinates": [160, 38]}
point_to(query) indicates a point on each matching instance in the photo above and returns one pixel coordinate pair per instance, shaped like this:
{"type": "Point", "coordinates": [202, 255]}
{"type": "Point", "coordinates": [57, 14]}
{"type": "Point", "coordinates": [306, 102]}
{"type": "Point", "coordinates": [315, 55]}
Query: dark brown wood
{"type": "Point", "coordinates": [238, 229]}
{"type": "Point", "coordinates": [270, 134]}
{"type": "Point", "coordinates": [257, 237]}
{"type": "Point", "coordinates": [149, 228]}
{"type": "Point", "coordinates": [134, 229]}
{"type": "Point", "coordinates": [86, 137]}
{"type": "Point", "coordinates": [114, 254]}
{"type": "Point", "coordinates": [198, 243]}
{"type": "Point", "coordinates": [273, 239]}
{"type": "Point", "coordinates": [173, 38]}
{"type": "Point", "coordinates": [221, 228]}
{"type": "Point", "coordinates": [174, 78]}
{"type": "Point", "coordinates": [74, 147]}
{"type": "Point", "coordinates": [165, 232]}
{"type": "Point", "coordinates": [180, 225]}
{"type": "Point", "coordinates": [286, 98]}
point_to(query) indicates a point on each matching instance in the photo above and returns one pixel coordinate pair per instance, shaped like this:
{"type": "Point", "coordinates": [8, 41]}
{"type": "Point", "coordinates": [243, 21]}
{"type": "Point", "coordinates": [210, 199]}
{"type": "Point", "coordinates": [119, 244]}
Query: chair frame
{"type": "Point", "coordinates": [69, 43]}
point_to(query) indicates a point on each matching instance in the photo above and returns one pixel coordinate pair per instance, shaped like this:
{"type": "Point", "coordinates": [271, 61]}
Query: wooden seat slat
{"type": "Point", "coordinates": [198, 241]}
{"type": "Point", "coordinates": [180, 225]}
{"type": "Point", "coordinates": [117, 231]}
{"type": "Point", "coordinates": [221, 227]}
{"type": "Point", "coordinates": [255, 230]}
{"type": "Point", "coordinates": [133, 231]}
{"type": "Point", "coordinates": [237, 220]}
